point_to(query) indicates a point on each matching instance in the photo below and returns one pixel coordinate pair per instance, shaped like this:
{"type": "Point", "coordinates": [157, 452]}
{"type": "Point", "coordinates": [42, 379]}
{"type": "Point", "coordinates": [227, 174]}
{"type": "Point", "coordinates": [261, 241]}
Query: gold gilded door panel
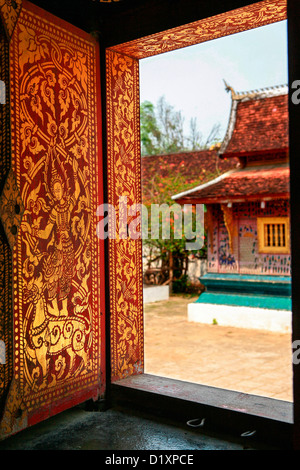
{"type": "Point", "coordinates": [57, 258]}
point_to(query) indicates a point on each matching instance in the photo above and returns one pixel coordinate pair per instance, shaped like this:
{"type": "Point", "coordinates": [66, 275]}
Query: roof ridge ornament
{"type": "Point", "coordinates": [229, 88]}
{"type": "Point", "coordinates": [258, 93]}
{"type": "Point", "coordinates": [267, 92]}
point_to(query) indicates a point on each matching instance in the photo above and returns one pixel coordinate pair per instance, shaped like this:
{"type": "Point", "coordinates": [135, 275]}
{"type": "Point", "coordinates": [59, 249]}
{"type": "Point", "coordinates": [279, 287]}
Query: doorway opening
{"type": "Point", "coordinates": [124, 166]}
{"type": "Point", "coordinates": [224, 343]}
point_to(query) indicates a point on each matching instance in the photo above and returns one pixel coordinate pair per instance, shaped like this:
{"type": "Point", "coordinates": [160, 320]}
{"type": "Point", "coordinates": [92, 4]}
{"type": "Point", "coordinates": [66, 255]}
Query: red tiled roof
{"type": "Point", "coordinates": [248, 183]}
{"type": "Point", "coordinates": [261, 124]}
{"type": "Point", "coordinates": [196, 167]}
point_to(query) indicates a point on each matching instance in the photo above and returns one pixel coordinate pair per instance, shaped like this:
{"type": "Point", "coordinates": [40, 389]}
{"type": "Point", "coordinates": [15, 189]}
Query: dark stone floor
{"type": "Point", "coordinates": [114, 430]}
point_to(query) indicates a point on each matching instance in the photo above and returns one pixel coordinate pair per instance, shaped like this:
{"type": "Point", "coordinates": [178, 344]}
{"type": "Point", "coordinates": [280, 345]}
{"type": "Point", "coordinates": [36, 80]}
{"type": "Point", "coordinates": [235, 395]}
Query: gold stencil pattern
{"type": "Point", "coordinates": [9, 12]}
{"type": "Point", "coordinates": [56, 257]}
{"type": "Point", "coordinates": [6, 323]}
{"type": "Point", "coordinates": [241, 19]}
{"type": "Point", "coordinates": [11, 208]}
{"type": "Point", "coordinates": [124, 179]}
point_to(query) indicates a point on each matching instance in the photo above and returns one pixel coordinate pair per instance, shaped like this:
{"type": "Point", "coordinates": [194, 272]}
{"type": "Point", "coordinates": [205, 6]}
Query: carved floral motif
{"type": "Point", "coordinates": [231, 22]}
{"type": "Point", "coordinates": [56, 258]}
{"type": "Point", "coordinates": [124, 180]}
{"type": "Point", "coordinates": [9, 12]}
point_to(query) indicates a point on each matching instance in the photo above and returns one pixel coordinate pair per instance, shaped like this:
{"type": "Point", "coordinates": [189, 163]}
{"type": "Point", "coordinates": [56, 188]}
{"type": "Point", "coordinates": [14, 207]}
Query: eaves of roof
{"type": "Point", "coordinates": [253, 183]}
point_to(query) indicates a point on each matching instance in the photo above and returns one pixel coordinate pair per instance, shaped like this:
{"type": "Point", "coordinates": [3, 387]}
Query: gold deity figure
{"type": "Point", "coordinates": [59, 266]}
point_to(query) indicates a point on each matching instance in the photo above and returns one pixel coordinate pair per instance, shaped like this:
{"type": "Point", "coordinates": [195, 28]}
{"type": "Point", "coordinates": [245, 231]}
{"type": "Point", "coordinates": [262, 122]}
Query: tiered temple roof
{"type": "Point", "coordinates": [258, 122]}
{"type": "Point", "coordinates": [194, 167]}
{"type": "Point", "coordinates": [257, 135]}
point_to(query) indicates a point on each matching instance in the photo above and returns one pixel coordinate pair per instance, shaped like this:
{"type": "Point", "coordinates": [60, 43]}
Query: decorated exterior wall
{"type": "Point", "coordinates": [244, 257]}
{"type": "Point", "coordinates": [48, 212]}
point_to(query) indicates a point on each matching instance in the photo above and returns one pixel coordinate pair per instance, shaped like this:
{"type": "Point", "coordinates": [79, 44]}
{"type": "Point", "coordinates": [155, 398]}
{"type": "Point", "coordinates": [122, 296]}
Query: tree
{"type": "Point", "coordinates": [162, 130]}
{"type": "Point", "coordinates": [195, 138]}
{"type": "Point", "coordinates": [167, 259]}
{"type": "Point", "coordinates": [150, 132]}
{"type": "Point", "coordinates": [195, 135]}
{"type": "Point", "coordinates": [170, 123]}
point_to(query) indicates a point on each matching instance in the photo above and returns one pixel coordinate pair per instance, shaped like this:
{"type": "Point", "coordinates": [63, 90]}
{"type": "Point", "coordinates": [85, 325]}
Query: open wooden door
{"type": "Point", "coordinates": [52, 261]}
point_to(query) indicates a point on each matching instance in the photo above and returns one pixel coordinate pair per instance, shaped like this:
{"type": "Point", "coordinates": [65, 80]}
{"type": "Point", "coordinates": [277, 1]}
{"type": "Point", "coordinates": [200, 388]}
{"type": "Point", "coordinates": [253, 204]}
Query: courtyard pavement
{"type": "Point", "coordinates": [250, 361]}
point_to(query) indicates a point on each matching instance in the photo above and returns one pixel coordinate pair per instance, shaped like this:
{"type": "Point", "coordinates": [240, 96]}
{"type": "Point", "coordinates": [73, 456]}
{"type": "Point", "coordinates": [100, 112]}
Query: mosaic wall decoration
{"type": "Point", "coordinates": [265, 263]}
{"type": "Point", "coordinates": [247, 246]}
{"type": "Point", "coordinates": [227, 250]}
{"type": "Point", "coordinates": [274, 208]}
{"type": "Point", "coordinates": [213, 237]}
{"type": "Point", "coordinates": [237, 250]}
{"type": "Point", "coordinates": [58, 292]}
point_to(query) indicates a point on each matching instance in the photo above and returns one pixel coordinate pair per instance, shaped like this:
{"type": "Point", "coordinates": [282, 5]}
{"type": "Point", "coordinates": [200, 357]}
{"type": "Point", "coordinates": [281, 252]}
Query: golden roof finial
{"type": "Point", "coordinates": [229, 88]}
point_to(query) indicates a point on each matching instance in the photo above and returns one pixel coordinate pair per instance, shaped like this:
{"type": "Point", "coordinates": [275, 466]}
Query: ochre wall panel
{"type": "Point", "coordinates": [9, 12]}
{"type": "Point", "coordinates": [231, 22]}
{"type": "Point", "coordinates": [58, 265]}
{"type": "Point", "coordinates": [6, 321]}
{"type": "Point", "coordinates": [124, 180]}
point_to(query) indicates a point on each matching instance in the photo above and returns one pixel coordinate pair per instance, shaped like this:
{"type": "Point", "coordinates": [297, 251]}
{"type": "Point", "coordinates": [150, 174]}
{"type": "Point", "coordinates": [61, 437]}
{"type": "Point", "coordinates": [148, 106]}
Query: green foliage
{"type": "Point", "coordinates": [162, 130]}
{"type": "Point", "coordinates": [180, 285]}
{"type": "Point", "coordinates": [150, 133]}
{"type": "Point", "coordinates": [170, 252]}
{"type": "Point", "coordinates": [162, 133]}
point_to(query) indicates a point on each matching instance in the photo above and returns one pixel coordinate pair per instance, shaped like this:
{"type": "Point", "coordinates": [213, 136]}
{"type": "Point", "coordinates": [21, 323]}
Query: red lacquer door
{"type": "Point", "coordinates": [54, 185]}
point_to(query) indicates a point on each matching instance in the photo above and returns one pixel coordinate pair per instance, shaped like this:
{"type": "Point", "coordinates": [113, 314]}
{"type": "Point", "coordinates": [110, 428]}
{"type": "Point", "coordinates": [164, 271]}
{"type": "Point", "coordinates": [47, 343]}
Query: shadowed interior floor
{"type": "Point", "coordinates": [115, 429]}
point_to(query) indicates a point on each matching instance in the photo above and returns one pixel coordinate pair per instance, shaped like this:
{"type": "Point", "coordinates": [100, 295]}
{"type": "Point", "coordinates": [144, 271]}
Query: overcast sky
{"type": "Point", "coordinates": [191, 79]}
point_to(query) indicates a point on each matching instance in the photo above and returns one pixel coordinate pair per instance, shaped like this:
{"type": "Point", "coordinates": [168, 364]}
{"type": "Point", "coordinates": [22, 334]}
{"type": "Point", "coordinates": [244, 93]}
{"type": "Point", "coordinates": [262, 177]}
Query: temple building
{"type": "Point", "coordinates": [247, 218]}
